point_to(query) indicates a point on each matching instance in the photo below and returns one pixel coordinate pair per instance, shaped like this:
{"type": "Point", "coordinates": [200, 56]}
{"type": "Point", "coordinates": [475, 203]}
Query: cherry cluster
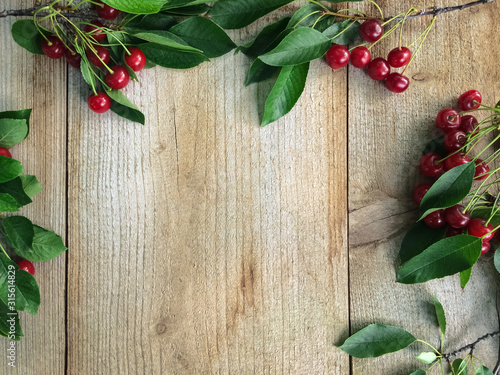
{"type": "Point", "coordinates": [116, 76]}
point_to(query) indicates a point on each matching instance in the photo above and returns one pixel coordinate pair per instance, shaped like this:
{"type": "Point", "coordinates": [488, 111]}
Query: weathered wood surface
{"type": "Point", "coordinates": [202, 243]}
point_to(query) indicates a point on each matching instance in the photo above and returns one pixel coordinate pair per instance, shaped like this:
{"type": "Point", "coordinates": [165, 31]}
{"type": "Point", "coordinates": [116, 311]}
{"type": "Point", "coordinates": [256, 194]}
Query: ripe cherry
{"type": "Point", "coordinates": [5, 152]}
{"type": "Point", "coordinates": [451, 232]}
{"type": "Point", "coordinates": [399, 57]}
{"type": "Point", "coordinates": [26, 265]}
{"type": "Point", "coordinates": [435, 219]}
{"type": "Point", "coordinates": [337, 56]}
{"type": "Point", "coordinates": [101, 57]}
{"type": "Point", "coordinates": [468, 124]}
{"type": "Point", "coordinates": [478, 228]}
{"type": "Point", "coordinates": [455, 160]}
{"type": "Point", "coordinates": [429, 165]}
{"type": "Point", "coordinates": [468, 99]}
{"type": "Point", "coordinates": [73, 59]}
{"type": "Point", "coordinates": [448, 119]}
{"type": "Point", "coordinates": [378, 69]}
{"type": "Point", "coordinates": [486, 247]}
{"type": "Point", "coordinates": [360, 57]}
{"type": "Point", "coordinates": [99, 103]}
{"type": "Point", "coordinates": [136, 60]}
{"type": "Point", "coordinates": [456, 216]}
{"type": "Point", "coordinates": [419, 192]}
{"type": "Point", "coordinates": [454, 140]}
{"type": "Point", "coordinates": [95, 31]}
{"type": "Point", "coordinates": [397, 82]}
{"type": "Point", "coordinates": [371, 30]}
{"type": "Point", "coordinates": [118, 79]}
{"type": "Point", "coordinates": [106, 12]}
{"type": "Point", "coordinates": [482, 170]}
{"type": "Point", "coordinates": [53, 47]}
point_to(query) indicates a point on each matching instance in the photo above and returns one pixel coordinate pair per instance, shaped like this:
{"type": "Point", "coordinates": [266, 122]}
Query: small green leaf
{"type": "Point", "coordinates": [427, 357]}
{"type": "Point", "coordinates": [12, 131]}
{"type": "Point", "coordinates": [172, 58]}
{"type": "Point", "coordinates": [15, 189]}
{"type": "Point", "coordinates": [465, 277]}
{"type": "Point", "coordinates": [446, 257]}
{"type": "Point", "coordinates": [267, 39]}
{"type": "Point", "coordinates": [136, 7]}
{"type": "Point", "coordinates": [19, 231]}
{"type": "Point", "coordinates": [87, 72]}
{"type": "Point", "coordinates": [8, 203]}
{"type": "Point", "coordinates": [419, 238]}
{"type": "Point", "coordinates": [31, 186]}
{"type": "Point", "coordinates": [164, 38]}
{"type": "Point", "coordinates": [460, 367]}
{"type": "Point", "coordinates": [285, 92]}
{"type": "Point", "coordinates": [376, 340]}
{"type": "Point", "coordinates": [46, 246]}
{"type": "Point", "coordinates": [10, 325]}
{"type": "Point", "coordinates": [124, 107]}
{"type": "Point", "coordinates": [343, 32]}
{"type": "Point", "coordinates": [483, 371]}
{"type": "Point", "coordinates": [25, 33]}
{"type": "Point", "coordinates": [440, 314]}
{"type": "Point", "coordinates": [9, 169]}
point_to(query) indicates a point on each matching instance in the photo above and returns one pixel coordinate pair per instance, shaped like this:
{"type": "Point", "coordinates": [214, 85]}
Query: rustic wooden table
{"type": "Point", "coordinates": [201, 243]}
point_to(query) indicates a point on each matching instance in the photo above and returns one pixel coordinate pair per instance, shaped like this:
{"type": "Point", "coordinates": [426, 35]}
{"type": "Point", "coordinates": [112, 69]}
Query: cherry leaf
{"type": "Point", "coordinates": [440, 314]}
{"type": "Point", "coordinates": [419, 238]}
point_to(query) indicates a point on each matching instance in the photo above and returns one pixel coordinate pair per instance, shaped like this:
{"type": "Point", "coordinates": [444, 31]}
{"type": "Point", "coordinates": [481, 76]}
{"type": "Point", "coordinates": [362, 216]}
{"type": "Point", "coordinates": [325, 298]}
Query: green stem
{"type": "Point", "coordinates": [317, 3]}
{"type": "Point", "coordinates": [343, 31]}
{"type": "Point", "coordinates": [379, 10]}
{"type": "Point", "coordinates": [309, 15]}
{"type": "Point", "coordinates": [432, 347]}
{"type": "Point", "coordinates": [421, 43]}
{"type": "Point", "coordinates": [7, 255]}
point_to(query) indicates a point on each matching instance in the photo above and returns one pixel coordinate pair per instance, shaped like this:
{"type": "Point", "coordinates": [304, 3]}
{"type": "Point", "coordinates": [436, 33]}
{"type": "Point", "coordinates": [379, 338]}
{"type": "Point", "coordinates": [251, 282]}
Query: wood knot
{"type": "Point", "coordinates": [160, 329]}
{"type": "Point", "coordinates": [420, 77]}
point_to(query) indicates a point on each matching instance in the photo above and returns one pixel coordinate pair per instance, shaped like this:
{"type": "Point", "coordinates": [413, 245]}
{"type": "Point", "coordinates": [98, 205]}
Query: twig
{"type": "Point", "coordinates": [471, 346]}
{"type": "Point", "coordinates": [496, 370]}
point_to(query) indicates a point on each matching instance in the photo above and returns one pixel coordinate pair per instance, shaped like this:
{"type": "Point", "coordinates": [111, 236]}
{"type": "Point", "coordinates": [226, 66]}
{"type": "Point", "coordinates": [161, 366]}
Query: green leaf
{"type": "Point", "coordinates": [300, 46]}
{"type": "Point", "coordinates": [485, 213]}
{"type": "Point", "coordinates": [446, 257]}
{"type": "Point", "coordinates": [496, 259]}
{"type": "Point", "coordinates": [449, 189]}
{"type": "Point", "coordinates": [306, 16]}
{"type": "Point", "coordinates": [8, 203]}
{"type": "Point", "coordinates": [440, 314]}
{"type": "Point", "coordinates": [25, 33]}
{"type": "Point", "coordinates": [124, 107]}
{"type": "Point", "coordinates": [267, 39]}
{"type": "Point", "coordinates": [19, 231]}
{"type": "Point", "coordinates": [483, 371]}
{"type": "Point", "coordinates": [465, 277]}
{"type": "Point", "coordinates": [10, 325]}
{"type": "Point", "coordinates": [427, 357]}
{"type": "Point", "coordinates": [171, 58]}
{"type": "Point", "coordinates": [235, 14]}
{"type": "Point", "coordinates": [419, 238]}
{"type": "Point", "coordinates": [137, 7]}
{"type": "Point", "coordinates": [157, 21]}
{"type": "Point", "coordinates": [47, 245]}
{"type": "Point", "coordinates": [204, 35]}
{"type": "Point", "coordinates": [9, 169]}
{"type": "Point", "coordinates": [12, 131]}
{"type": "Point", "coordinates": [285, 92]}
{"type": "Point", "coordinates": [192, 10]}
{"type": "Point", "coordinates": [418, 372]}
{"type": "Point", "coordinates": [165, 38]}
{"type": "Point", "coordinates": [460, 367]}
{"type": "Point", "coordinates": [259, 72]}
{"type": "Point", "coordinates": [31, 186]}
{"type": "Point", "coordinates": [437, 146]}
{"type": "Point", "coordinates": [23, 290]}
{"type": "Point", "coordinates": [15, 189]}
{"type": "Point", "coordinates": [87, 72]}
{"type": "Point", "coordinates": [337, 34]}
{"type": "Point", "coordinates": [376, 340]}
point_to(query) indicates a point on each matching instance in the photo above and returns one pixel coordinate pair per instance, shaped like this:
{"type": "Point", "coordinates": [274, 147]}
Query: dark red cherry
{"type": "Point", "coordinates": [399, 57]}
{"type": "Point", "coordinates": [371, 30]}
{"type": "Point", "coordinates": [53, 47]}
{"type": "Point", "coordinates": [456, 216]}
{"type": "Point", "coordinates": [337, 56]}
{"type": "Point", "coordinates": [469, 100]}
{"type": "Point", "coordinates": [454, 140]}
{"type": "Point", "coordinates": [482, 170]}
{"type": "Point", "coordinates": [100, 57]}
{"type": "Point", "coordinates": [455, 160]}
{"type": "Point", "coordinates": [95, 31]}
{"type": "Point", "coordinates": [397, 83]}
{"type": "Point", "coordinates": [378, 69]}
{"type": "Point", "coordinates": [73, 59]}
{"type": "Point", "coordinates": [419, 192]}
{"type": "Point", "coordinates": [448, 119]}
{"type": "Point", "coordinates": [468, 124]}
{"type": "Point", "coordinates": [429, 165]}
{"type": "Point", "coordinates": [360, 57]}
{"type": "Point", "coordinates": [435, 219]}
{"type": "Point", "coordinates": [479, 228]}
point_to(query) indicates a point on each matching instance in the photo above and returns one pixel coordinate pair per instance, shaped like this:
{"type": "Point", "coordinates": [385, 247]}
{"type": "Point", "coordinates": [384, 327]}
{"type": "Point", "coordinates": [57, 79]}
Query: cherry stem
{"type": "Point", "coordinates": [343, 31]}
{"type": "Point", "coordinates": [7, 255]}
{"type": "Point", "coordinates": [317, 3]}
{"type": "Point", "coordinates": [378, 7]}
{"type": "Point", "coordinates": [309, 15]}
{"type": "Point", "coordinates": [426, 31]}
{"type": "Point", "coordinates": [432, 347]}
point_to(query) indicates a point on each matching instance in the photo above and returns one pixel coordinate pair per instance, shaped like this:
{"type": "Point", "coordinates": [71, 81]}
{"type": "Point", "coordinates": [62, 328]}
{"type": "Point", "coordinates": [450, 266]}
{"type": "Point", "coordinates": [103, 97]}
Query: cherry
{"type": "Point", "coordinates": [454, 140]}
{"type": "Point", "coordinates": [337, 56]}
{"type": "Point", "coordinates": [73, 59]}
{"type": "Point", "coordinates": [5, 152]}
{"type": "Point", "coordinates": [448, 119]}
{"type": "Point", "coordinates": [456, 217]}
{"type": "Point", "coordinates": [99, 103]}
{"type": "Point", "coordinates": [118, 79]}
{"type": "Point", "coordinates": [398, 57]}
{"type": "Point", "coordinates": [360, 57]}
{"type": "Point", "coordinates": [106, 12]}
{"type": "Point", "coordinates": [378, 69]}
{"type": "Point", "coordinates": [486, 247]}
{"type": "Point", "coordinates": [451, 232]}
{"type": "Point", "coordinates": [136, 60]}
{"type": "Point", "coordinates": [95, 31]}
{"type": "Point", "coordinates": [482, 170]}
{"type": "Point", "coordinates": [468, 124]}
{"type": "Point", "coordinates": [435, 219]}
{"type": "Point", "coordinates": [371, 30]}
{"type": "Point", "coordinates": [397, 83]}
{"type": "Point", "coordinates": [53, 47]}
{"type": "Point", "coordinates": [419, 192]}
{"type": "Point", "coordinates": [429, 165]}
{"type": "Point", "coordinates": [101, 57]}
{"type": "Point", "coordinates": [477, 228]}
{"type": "Point", "coordinates": [455, 160]}
{"type": "Point", "coordinates": [26, 265]}
{"type": "Point", "coordinates": [467, 100]}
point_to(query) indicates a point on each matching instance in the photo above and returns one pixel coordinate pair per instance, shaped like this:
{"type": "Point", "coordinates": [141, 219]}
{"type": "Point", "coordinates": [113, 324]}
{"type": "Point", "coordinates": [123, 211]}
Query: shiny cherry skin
{"type": "Point", "coordinates": [371, 30]}
{"type": "Point", "coordinates": [455, 160]}
{"type": "Point", "coordinates": [5, 152]}
{"type": "Point", "coordinates": [454, 140]}
{"type": "Point", "coordinates": [399, 57]}
{"type": "Point", "coordinates": [26, 265]}
{"type": "Point", "coordinates": [99, 103]}
{"type": "Point", "coordinates": [360, 57]}
{"type": "Point", "coordinates": [118, 79]}
{"type": "Point", "coordinates": [53, 47]}
{"type": "Point", "coordinates": [468, 99]}
{"type": "Point", "coordinates": [448, 119]}
{"type": "Point", "coordinates": [486, 247]}
{"type": "Point", "coordinates": [482, 170]}
{"type": "Point", "coordinates": [106, 12]}
{"type": "Point", "coordinates": [435, 219]}
{"type": "Point", "coordinates": [397, 82]}
{"type": "Point", "coordinates": [101, 57]}
{"type": "Point", "coordinates": [337, 56]}
{"type": "Point", "coordinates": [419, 193]}
{"type": "Point", "coordinates": [478, 228]}
{"type": "Point", "coordinates": [429, 165]}
{"type": "Point", "coordinates": [456, 217]}
{"type": "Point", "coordinates": [136, 60]}
{"type": "Point", "coordinates": [73, 59]}
{"type": "Point", "coordinates": [468, 124]}
{"type": "Point", "coordinates": [451, 232]}
{"type": "Point", "coordinates": [378, 69]}
{"type": "Point", "coordinates": [95, 31]}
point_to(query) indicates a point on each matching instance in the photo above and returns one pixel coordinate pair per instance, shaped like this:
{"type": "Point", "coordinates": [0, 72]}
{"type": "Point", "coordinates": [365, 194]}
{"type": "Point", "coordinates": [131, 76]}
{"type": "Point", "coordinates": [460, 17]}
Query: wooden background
{"type": "Point", "coordinates": [201, 243]}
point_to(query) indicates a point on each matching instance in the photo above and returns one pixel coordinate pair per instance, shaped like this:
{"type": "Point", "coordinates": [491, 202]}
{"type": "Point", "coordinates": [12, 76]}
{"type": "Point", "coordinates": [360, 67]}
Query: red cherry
{"type": "Point", "coordinates": [456, 217]}
{"type": "Point", "coordinates": [486, 247]}
{"type": "Point", "coordinates": [378, 69]}
{"type": "Point", "coordinates": [371, 30]}
{"type": "Point", "coordinates": [53, 47]}
{"type": "Point", "coordinates": [5, 152]}
{"type": "Point", "coordinates": [435, 219]}
{"type": "Point", "coordinates": [99, 103]}
{"type": "Point", "coordinates": [468, 124]}
{"type": "Point", "coordinates": [455, 160]}
{"type": "Point", "coordinates": [454, 140]}
{"type": "Point", "coordinates": [478, 228]}
{"type": "Point", "coordinates": [451, 232]}
{"type": "Point", "coordinates": [397, 83]}
{"type": "Point", "coordinates": [118, 79]}
{"type": "Point", "coordinates": [26, 265]}
{"type": "Point", "coordinates": [482, 170]}
{"type": "Point", "coordinates": [429, 165]}
{"type": "Point", "coordinates": [106, 12]}
{"type": "Point", "coordinates": [101, 57]}
{"type": "Point", "coordinates": [399, 57]}
{"type": "Point", "coordinates": [337, 56]}
{"type": "Point", "coordinates": [467, 100]}
{"type": "Point", "coordinates": [419, 192]}
{"type": "Point", "coordinates": [448, 119]}
{"type": "Point", "coordinates": [95, 31]}
{"type": "Point", "coordinates": [360, 57]}
{"type": "Point", "coordinates": [136, 60]}
{"type": "Point", "coordinates": [73, 59]}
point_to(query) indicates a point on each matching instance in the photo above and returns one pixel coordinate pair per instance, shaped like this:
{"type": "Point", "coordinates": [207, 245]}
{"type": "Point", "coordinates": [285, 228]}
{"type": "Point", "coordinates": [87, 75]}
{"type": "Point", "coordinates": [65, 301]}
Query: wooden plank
{"type": "Point", "coordinates": [202, 243]}
{"type": "Point", "coordinates": [387, 134]}
{"type": "Point", "coordinates": [37, 82]}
